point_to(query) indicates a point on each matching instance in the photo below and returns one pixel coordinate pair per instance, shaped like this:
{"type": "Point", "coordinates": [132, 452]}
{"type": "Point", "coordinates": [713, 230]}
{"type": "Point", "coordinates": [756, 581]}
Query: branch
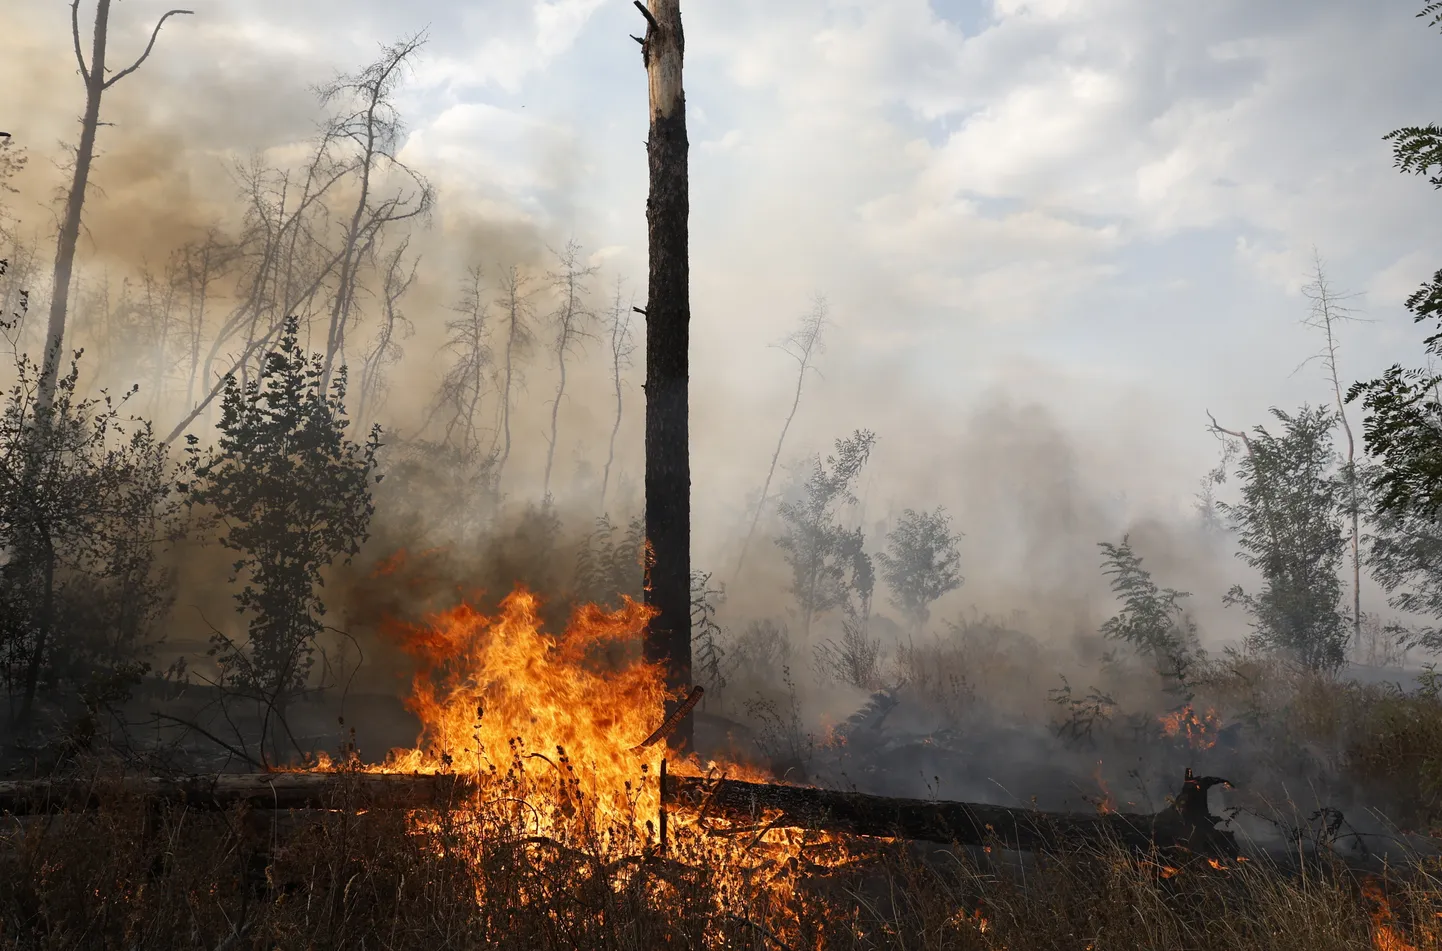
{"type": "Point", "coordinates": [1219, 428]}
{"type": "Point", "coordinates": [75, 32]}
{"type": "Point", "coordinates": [650, 20]}
{"type": "Point", "coordinates": [154, 33]}
{"type": "Point", "coordinates": [234, 751]}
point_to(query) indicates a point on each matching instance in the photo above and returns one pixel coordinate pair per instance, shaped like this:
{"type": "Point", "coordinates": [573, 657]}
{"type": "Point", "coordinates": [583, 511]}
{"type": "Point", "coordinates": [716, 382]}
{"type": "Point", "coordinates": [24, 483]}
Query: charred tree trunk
{"type": "Point", "coordinates": [668, 318]}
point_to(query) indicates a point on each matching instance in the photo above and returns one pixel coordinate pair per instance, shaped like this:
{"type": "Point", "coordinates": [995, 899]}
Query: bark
{"type": "Point", "coordinates": [1184, 824]}
{"type": "Point", "coordinates": [668, 318]}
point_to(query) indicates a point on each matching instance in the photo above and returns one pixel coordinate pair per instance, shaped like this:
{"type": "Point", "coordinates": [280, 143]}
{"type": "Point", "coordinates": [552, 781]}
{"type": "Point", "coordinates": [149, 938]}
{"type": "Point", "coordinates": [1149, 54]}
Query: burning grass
{"type": "Point", "coordinates": [561, 843]}
{"type": "Point", "coordinates": [127, 878]}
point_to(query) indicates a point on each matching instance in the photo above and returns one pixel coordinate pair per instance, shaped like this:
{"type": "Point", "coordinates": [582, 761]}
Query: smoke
{"type": "Point", "coordinates": [1032, 484]}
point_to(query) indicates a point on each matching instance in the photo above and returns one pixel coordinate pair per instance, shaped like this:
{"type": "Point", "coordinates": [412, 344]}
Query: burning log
{"type": "Point", "coordinates": [1186, 823]}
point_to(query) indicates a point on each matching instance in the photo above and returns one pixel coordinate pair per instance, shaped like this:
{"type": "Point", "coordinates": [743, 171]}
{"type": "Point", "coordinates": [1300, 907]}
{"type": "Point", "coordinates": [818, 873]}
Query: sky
{"type": "Point", "coordinates": [1106, 209]}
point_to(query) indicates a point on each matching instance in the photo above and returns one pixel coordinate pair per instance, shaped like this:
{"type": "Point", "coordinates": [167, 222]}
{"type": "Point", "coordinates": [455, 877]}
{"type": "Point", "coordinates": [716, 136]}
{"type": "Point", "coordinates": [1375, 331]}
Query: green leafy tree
{"type": "Point", "coordinates": [1289, 523]}
{"type": "Point", "coordinates": [921, 563]}
{"type": "Point", "coordinates": [1152, 619]}
{"type": "Point", "coordinates": [86, 498]}
{"type": "Point", "coordinates": [824, 556]}
{"type": "Point", "coordinates": [1402, 429]}
{"type": "Point", "coordinates": [292, 495]}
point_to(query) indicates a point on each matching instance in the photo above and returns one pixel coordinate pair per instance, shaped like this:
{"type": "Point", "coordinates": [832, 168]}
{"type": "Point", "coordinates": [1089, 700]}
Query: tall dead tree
{"type": "Point", "coordinates": [1327, 311]}
{"type": "Point", "coordinates": [96, 83]}
{"type": "Point", "coordinates": [668, 319]}
{"type": "Point", "coordinates": [572, 321]}
{"type": "Point", "coordinates": [622, 346]}
{"type": "Point", "coordinates": [374, 130]}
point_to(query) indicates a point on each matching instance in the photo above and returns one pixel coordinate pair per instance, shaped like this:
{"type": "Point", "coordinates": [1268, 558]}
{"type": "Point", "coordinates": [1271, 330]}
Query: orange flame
{"type": "Point", "coordinates": [1107, 803]}
{"type": "Point", "coordinates": [489, 689]}
{"type": "Point", "coordinates": [1200, 732]}
{"type": "Point", "coordinates": [1386, 935]}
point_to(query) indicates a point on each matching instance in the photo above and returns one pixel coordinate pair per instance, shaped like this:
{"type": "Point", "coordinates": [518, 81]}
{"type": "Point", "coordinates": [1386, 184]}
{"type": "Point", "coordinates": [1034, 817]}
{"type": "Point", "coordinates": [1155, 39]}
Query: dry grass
{"type": "Point", "coordinates": [128, 878]}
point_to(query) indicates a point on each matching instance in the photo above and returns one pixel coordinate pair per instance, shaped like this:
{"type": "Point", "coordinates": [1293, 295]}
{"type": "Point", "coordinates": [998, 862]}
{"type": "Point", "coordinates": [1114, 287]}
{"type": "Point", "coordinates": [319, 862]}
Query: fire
{"type": "Point", "coordinates": [1386, 934]}
{"type": "Point", "coordinates": [491, 690]}
{"type": "Point", "coordinates": [1107, 803]}
{"type": "Point", "coordinates": [1199, 732]}
{"type": "Point", "coordinates": [551, 728]}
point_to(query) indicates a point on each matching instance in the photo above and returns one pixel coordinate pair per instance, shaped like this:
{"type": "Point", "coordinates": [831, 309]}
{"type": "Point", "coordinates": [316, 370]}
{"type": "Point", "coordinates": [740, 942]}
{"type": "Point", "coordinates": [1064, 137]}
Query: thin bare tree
{"type": "Point", "coordinates": [804, 346]}
{"type": "Point", "coordinates": [1327, 311]}
{"type": "Point", "coordinates": [518, 338]}
{"type": "Point", "coordinates": [468, 339]}
{"type": "Point", "coordinates": [623, 345]}
{"type": "Point", "coordinates": [397, 275]}
{"type": "Point", "coordinates": [374, 129]}
{"type": "Point", "coordinates": [571, 322]}
{"type": "Point", "coordinates": [98, 78]}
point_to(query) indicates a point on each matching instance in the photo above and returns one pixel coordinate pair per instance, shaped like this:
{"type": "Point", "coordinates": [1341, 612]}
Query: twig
{"type": "Point", "coordinates": [234, 751]}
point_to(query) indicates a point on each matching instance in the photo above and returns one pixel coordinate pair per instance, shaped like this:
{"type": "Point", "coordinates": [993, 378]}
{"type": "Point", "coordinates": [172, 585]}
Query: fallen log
{"type": "Point", "coordinates": [1186, 823]}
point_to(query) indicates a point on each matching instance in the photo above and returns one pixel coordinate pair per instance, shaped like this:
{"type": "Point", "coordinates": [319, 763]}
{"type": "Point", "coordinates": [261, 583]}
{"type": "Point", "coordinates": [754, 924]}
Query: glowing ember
{"type": "Point", "coordinates": [1199, 732]}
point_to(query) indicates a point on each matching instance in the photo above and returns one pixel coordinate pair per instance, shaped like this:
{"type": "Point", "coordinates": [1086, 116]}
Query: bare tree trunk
{"type": "Point", "coordinates": [621, 350]}
{"type": "Point", "coordinates": [96, 83]}
{"type": "Point", "coordinates": [518, 338]}
{"type": "Point", "coordinates": [668, 318]}
{"type": "Point", "coordinates": [1326, 311]}
{"type": "Point", "coordinates": [802, 346]}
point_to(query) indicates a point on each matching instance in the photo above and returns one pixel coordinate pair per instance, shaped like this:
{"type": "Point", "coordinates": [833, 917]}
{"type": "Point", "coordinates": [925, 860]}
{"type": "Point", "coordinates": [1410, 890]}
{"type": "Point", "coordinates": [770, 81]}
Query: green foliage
{"type": "Point", "coordinates": [921, 563]}
{"type": "Point", "coordinates": [1403, 426]}
{"type": "Point", "coordinates": [86, 496]}
{"type": "Point", "coordinates": [609, 563]}
{"type": "Point", "coordinates": [826, 559]}
{"type": "Point", "coordinates": [706, 634]}
{"type": "Point", "coordinates": [1404, 552]}
{"type": "Point", "coordinates": [1152, 619]}
{"type": "Point", "coordinates": [292, 495]}
{"type": "Point", "coordinates": [1289, 526]}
